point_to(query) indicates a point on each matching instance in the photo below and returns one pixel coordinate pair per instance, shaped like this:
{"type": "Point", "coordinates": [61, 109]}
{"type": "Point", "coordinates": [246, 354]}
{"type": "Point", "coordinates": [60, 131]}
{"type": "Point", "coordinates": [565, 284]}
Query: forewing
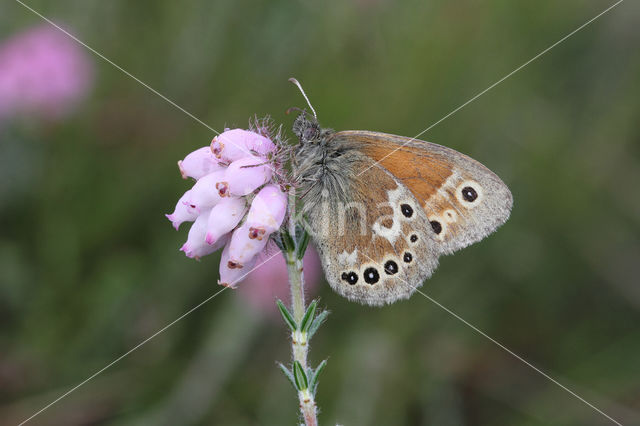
{"type": "Point", "coordinates": [462, 199]}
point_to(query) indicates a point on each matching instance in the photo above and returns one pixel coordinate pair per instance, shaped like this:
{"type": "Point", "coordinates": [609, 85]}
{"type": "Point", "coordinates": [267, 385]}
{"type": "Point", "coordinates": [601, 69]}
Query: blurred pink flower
{"type": "Point", "coordinates": [42, 71]}
{"type": "Point", "coordinates": [234, 202]}
{"type": "Point", "coordinates": [270, 281]}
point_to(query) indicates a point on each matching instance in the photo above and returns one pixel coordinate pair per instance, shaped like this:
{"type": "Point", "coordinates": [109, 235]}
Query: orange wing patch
{"type": "Point", "coordinates": [423, 173]}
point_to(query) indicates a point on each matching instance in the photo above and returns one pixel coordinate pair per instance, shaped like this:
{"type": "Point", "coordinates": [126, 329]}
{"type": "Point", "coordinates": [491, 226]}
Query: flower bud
{"type": "Point", "coordinates": [232, 272]}
{"type": "Point", "coordinates": [203, 193]}
{"type": "Point", "coordinates": [237, 143]}
{"type": "Point", "coordinates": [184, 211]}
{"type": "Point", "coordinates": [245, 245]}
{"type": "Point", "coordinates": [196, 246]}
{"type": "Point", "coordinates": [245, 175]}
{"type": "Point", "coordinates": [224, 217]}
{"type": "Point", "coordinates": [199, 163]}
{"type": "Point", "coordinates": [268, 209]}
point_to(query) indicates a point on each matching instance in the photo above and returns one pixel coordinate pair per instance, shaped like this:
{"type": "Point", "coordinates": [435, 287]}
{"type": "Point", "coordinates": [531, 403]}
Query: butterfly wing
{"type": "Point", "coordinates": [374, 239]}
{"type": "Point", "coordinates": [463, 200]}
{"type": "Point", "coordinates": [383, 208]}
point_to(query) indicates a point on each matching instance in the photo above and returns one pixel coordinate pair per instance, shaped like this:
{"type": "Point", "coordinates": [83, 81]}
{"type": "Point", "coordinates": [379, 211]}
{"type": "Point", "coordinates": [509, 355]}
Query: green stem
{"type": "Point", "coordinates": [299, 343]}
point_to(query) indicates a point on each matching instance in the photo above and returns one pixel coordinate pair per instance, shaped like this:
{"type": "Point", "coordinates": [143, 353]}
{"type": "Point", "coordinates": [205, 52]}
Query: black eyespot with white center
{"type": "Point", "coordinates": [469, 194]}
{"type": "Point", "coordinates": [407, 210]}
{"type": "Point", "coordinates": [413, 238]}
{"type": "Point", "coordinates": [391, 267]}
{"type": "Point", "coordinates": [408, 257]}
{"type": "Point", "coordinates": [371, 276]}
{"type": "Point", "coordinates": [436, 226]}
{"type": "Point", "coordinates": [350, 277]}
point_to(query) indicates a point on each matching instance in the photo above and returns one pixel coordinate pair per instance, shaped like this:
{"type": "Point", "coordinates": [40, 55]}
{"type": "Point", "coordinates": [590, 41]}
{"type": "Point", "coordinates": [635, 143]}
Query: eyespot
{"type": "Point", "coordinates": [469, 194]}
{"type": "Point", "coordinates": [413, 238]}
{"type": "Point", "coordinates": [371, 276]}
{"type": "Point", "coordinates": [391, 267]}
{"type": "Point", "coordinates": [408, 257]}
{"type": "Point", "coordinates": [407, 210]}
{"type": "Point", "coordinates": [350, 277]}
{"type": "Point", "coordinates": [436, 226]}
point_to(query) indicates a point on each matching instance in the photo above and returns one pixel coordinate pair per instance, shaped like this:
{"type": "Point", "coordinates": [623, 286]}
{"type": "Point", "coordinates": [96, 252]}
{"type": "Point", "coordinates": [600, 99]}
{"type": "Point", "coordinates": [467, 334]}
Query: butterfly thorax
{"type": "Point", "coordinates": [322, 163]}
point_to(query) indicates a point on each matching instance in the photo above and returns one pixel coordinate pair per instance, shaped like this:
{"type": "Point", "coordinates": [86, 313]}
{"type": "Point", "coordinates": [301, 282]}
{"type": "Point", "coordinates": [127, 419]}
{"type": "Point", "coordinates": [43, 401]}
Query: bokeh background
{"type": "Point", "coordinates": [90, 267]}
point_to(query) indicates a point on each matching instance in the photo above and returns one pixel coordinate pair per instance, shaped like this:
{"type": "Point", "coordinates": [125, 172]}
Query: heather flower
{"type": "Point", "coordinates": [199, 163]}
{"type": "Point", "coordinates": [234, 144]}
{"type": "Point", "coordinates": [224, 217]}
{"type": "Point", "coordinates": [203, 195]}
{"type": "Point", "coordinates": [184, 212]}
{"type": "Point", "coordinates": [245, 244]}
{"type": "Point", "coordinates": [268, 209]}
{"type": "Point", "coordinates": [235, 201]}
{"type": "Point", "coordinates": [231, 272]}
{"type": "Point", "coordinates": [244, 176]}
{"type": "Point", "coordinates": [42, 71]}
{"type": "Point", "coordinates": [196, 245]}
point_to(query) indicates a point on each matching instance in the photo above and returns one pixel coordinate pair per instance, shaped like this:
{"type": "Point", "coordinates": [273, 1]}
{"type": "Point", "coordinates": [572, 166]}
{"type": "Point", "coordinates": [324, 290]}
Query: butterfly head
{"type": "Point", "coordinates": [306, 128]}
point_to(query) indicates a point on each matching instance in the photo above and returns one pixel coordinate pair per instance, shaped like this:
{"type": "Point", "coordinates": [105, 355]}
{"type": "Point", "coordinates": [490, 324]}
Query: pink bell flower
{"type": "Point", "coordinates": [184, 212]}
{"type": "Point", "coordinates": [237, 143]}
{"type": "Point", "coordinates": [196, 246]}
{"type": "Point", "coordinates": [245, 244]}
{"type": "Point", "coordinates": [232, 272]}
{"type": "Point", "coordinates": [199, 163]}
{"type": "Point", "coordinates": [244, 176]}
{"type": "Point", "coordinates": [224, 217]}
{"type": "Point", "coordinates": [234, 171]}
{"type": "Point", "coordinates": [268, 209]}
{"type": "Point", "coordinates": [204, 194]}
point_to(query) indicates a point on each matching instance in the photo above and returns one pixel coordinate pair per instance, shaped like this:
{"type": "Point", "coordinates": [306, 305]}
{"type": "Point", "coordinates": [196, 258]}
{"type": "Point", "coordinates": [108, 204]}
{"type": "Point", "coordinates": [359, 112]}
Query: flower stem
{"type": "Point", "coordinates": [296, 282]}
{"type": "Point", "coordinates": [299, 340]}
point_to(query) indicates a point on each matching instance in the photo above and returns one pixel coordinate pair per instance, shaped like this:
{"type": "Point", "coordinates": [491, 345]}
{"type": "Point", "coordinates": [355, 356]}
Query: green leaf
{"type": "Point", "coordinates": [317, 322]}
{"type": "Point", "coordinates": [287, 373]}
{"type": "Point", "coordinates": [278, 241]}
{"type": "Point", "coordinates": [303, 242]}
{"type": "Point", "coordinates": [314, 378]}
{"type": "Point", "coordinates": [300, 376]}
{"type": "Point", "coordinates": [287, 242]}
{"type": "Point", "coordinates": [307, 319]}
{"type": "Point", "coordinates": [288, 318]}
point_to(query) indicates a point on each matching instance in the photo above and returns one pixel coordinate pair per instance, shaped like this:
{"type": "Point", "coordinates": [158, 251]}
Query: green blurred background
{"type": "Point", "coordinates": [89, 266]}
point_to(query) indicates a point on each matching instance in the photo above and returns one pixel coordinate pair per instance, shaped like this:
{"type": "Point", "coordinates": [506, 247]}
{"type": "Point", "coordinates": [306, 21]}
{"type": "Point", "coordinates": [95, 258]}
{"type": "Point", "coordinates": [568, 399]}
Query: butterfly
{"type": "Point", "coordinates": [382, 208]}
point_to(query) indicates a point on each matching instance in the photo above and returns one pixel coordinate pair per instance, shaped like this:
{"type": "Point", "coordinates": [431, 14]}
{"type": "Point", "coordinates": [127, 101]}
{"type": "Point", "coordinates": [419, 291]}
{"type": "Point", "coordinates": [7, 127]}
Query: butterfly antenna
{"type": "Point", "coordinates": [297, 83]}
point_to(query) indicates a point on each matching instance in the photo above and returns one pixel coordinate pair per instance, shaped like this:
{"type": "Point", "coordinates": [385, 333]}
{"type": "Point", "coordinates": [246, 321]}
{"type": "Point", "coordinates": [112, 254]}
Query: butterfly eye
{"type": "Point", "coordinates": [408, 257]}
{"type": "Point", "coordinates": [407, 210]}
{"type": "Point", "coordinates": [350, 277]}
{"type": "Point", "coordinates": [310, 133]}
{"type": "Point", "coordinates": [371, 275]}
{"type": "Point", "coordinates": [469, 194]}
{"type": "Point", "coordinates": [436, 226]}
{"type": "Point", "coordinates": [391, 267]}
